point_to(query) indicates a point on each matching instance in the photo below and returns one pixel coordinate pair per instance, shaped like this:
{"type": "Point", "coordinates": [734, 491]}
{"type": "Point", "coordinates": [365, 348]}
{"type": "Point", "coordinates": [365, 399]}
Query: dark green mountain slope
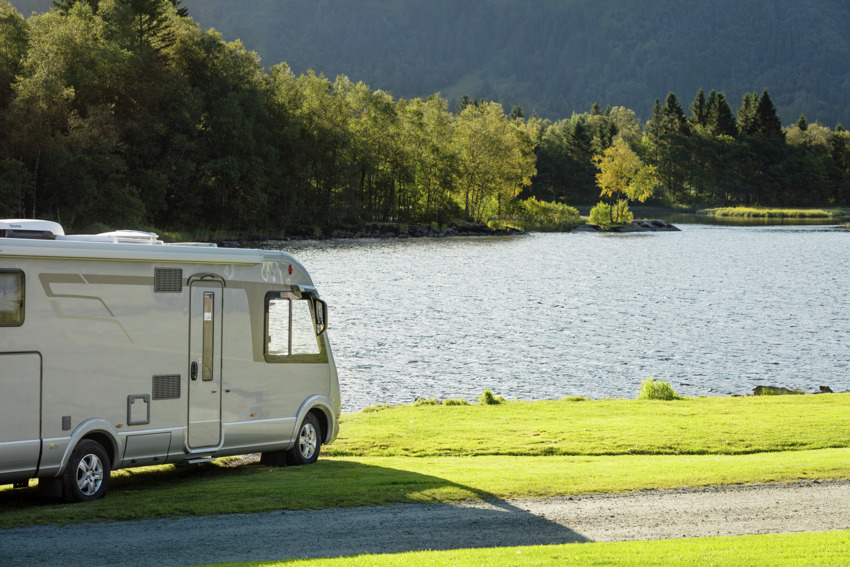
{"type": "Point", "coordinates": [559, 56]}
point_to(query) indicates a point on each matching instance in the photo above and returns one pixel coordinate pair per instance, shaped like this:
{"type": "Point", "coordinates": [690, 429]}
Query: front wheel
{"type": "Point", "coordinates": [86, 477]}
{"type": "Point", "coordinates": [308, 444]}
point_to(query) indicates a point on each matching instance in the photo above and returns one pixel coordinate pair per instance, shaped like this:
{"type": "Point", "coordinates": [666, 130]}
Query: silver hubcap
{"type": "Point", "coordinates": [307, 440]}
{"type": "Point", "coordinates": [90, 474]}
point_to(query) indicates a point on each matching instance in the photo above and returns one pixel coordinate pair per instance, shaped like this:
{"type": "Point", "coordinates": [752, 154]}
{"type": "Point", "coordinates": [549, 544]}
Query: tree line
{"type": "Point", "coordinates": [126, 113]}
{"type": "Point", "coordinates": [713, 157]}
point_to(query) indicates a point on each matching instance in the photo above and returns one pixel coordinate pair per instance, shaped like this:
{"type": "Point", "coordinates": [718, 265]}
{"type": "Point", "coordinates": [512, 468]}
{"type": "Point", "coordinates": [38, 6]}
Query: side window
{"type": "Point", "coordinates": [209, 314]}
{"type": "Point", "coordinates": [277, 323]}
{"type": "Point", "coordinates": [290, 333]}
{"type": "Point", "coordinates": [11, 298]}
{"type": "Point", "coordinates": [303, 333]}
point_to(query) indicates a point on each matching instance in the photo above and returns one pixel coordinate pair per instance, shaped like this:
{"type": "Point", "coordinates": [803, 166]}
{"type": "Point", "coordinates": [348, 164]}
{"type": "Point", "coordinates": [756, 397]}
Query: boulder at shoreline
{"type": "Point", "coordinates": [642, 225]}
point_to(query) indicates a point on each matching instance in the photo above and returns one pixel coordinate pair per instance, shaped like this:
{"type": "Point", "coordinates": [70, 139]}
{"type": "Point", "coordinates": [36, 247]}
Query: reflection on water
{"type": "Point", "coordinates": [713, 310]}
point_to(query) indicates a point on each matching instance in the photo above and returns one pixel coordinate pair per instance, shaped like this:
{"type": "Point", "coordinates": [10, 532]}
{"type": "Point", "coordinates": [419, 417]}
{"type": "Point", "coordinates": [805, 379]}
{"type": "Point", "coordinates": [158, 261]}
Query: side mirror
{"type": "Point", "coordinates": [321, 310]}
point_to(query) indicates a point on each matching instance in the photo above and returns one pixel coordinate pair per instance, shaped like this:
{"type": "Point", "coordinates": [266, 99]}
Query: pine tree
{"type": "Point", "coordinates": [182, 10]}
{"type": "Point", "coordinates": [462, 103]}
{"type": "Point", "coordinates": [675, 115]}
{"type": "Point", "coordinates": [802, 123]}
{"type": "Point", "coordinates": [767, 121]}
{"type": "Point", "coordinates": [699, 109]}
{"type": "Point", "coordinates": [712, 100]}
{"type": "Point", "coordinates": [654, 126]}
{"type": "Point", "coordinates": [747, 121]}
{"type": "Point", "coordinates": [721, 122]}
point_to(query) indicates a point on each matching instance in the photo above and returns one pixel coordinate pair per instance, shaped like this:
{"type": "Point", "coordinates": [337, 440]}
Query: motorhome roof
{"type": "Point", "coordinates": [47, 239]}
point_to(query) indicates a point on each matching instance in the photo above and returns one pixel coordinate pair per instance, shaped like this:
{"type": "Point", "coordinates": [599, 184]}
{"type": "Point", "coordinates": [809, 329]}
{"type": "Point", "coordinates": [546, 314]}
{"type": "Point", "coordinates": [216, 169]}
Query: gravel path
{"type": "Point", "coordinates": [817, 506]}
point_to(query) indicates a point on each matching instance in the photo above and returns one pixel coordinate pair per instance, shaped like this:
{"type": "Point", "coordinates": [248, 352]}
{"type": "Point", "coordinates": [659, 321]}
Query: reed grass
{"type": "Point", "coordinates": [762, 212]}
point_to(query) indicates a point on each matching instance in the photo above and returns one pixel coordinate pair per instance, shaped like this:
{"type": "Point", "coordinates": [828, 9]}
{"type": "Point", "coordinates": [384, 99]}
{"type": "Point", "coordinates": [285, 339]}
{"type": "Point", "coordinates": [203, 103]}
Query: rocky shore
{"type": "Point", "coordinates": [403, 230]}
{"type": "Point", "coordinates": [643, 225]}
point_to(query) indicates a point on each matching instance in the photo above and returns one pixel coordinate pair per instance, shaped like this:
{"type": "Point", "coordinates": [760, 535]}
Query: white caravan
{"type": "Point", "coordinates": [117, 350]}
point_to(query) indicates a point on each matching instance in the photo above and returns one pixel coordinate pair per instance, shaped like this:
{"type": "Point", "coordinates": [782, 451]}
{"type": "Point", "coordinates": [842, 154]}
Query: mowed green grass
{"type": "Point", "coordinates": [574, 426]}
{"type": "Point", "coordinates": [787, 550]}
{"type": "Point", "coordinates": [519, 449]}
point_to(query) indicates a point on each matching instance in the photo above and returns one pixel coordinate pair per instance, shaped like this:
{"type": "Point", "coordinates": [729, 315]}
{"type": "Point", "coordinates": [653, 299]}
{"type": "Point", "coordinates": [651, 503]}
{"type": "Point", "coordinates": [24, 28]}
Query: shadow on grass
{"type": "Point", "coordinates": [296, 503]}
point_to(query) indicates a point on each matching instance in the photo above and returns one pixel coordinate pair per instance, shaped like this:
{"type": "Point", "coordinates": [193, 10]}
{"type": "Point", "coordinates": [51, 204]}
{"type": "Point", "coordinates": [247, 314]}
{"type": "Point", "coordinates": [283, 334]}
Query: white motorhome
{"type": "Point", "coordinates": [117, 350]}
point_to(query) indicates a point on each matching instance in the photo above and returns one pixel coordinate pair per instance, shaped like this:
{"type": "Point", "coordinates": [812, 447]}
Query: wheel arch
{"type": "Point", "coordinates": [322, 408]}
{"type": "Point", "coordinates": [97, 430]}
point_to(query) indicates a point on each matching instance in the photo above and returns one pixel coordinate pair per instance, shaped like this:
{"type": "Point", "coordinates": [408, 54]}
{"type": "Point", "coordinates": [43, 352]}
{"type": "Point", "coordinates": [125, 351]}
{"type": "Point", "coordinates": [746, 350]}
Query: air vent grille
{"type": "Point", "coordinates": [166, 387]}
{"type": "Point", "coordinates": [167, 280]}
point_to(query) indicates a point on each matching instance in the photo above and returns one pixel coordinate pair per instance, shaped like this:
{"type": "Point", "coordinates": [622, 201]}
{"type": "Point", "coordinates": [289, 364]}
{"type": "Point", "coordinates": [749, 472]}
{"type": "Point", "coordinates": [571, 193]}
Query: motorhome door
{"type": "Point", "coordinates": [205, 364]}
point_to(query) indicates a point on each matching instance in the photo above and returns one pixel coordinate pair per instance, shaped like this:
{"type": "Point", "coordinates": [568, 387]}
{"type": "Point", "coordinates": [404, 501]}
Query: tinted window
{"type": "Point", "coordinates": [290, 329]}
{"type": "Point", "coordinates": [11, 298]}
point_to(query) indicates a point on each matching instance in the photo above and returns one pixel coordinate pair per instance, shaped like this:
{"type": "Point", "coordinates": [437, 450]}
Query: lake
{"type": "Point", "coordinates": [714, 310]}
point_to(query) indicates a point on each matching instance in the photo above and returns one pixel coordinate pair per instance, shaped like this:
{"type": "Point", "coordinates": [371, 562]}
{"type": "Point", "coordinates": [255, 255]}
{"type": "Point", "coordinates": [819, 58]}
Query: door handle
{"type": "Point", "coordinates": [194, 370]}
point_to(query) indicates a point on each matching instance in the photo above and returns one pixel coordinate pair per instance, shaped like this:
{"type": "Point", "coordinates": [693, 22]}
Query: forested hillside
{"type": "Point", "coordinates": [128, 112]}
{"type": "Point", "coordinates": [556, 56]}
{"type": "Point", "coordinates": [560, 56]}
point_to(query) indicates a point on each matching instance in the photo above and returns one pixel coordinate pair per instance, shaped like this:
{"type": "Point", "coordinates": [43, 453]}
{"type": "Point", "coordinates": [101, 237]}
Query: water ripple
{"type": "Point", "coordinates": [713, 310]}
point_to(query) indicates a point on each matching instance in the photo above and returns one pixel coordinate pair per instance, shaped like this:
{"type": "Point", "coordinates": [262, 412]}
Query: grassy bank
{"type": "Point", "coordinates": [762, 212]}
{"type": "Point", "coordinates": [828, 548]}
{"type": "Point", "coordinates": [451, 453]}
{"type": "Point", "coordinates": [575, 426]}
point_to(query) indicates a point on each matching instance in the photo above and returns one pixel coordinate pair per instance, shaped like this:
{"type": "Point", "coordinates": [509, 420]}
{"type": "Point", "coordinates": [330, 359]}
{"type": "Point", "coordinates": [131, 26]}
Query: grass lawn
{"type": "Point", "coordinates": [575, 426]}
{"type": "Point", "coordinates": [791, 550]}
{"type": "Point", "coordinates": [518, 449]}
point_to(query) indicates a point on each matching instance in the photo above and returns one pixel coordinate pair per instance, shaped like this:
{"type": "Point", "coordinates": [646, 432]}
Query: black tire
{"type": "Point", "coordinates": [86, 477]}
{"type": "Point", "coordinates": [308, 443]}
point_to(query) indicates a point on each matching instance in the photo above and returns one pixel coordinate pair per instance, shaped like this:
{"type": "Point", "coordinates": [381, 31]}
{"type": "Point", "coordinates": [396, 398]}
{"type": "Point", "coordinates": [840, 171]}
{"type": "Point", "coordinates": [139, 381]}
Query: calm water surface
{"type": "Point", "coordinates": [714, 310]}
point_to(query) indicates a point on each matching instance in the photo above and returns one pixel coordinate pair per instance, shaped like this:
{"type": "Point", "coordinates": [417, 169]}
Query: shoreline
{"type": "Point", "coordinates": [463, 229]}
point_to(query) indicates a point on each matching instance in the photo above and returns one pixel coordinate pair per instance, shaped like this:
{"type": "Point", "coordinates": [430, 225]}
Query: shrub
{"type": "Point", "coordinates": [652, 389]}
{"type": "Point", "coordinates": [376, 409]}
{"type": "Point", "coordinates": [600, 215]}
{"type": "Point", "coordinates": [456, 402]}
{"type": "Point", "coordinates": [533, 214]}
{"type": "Point", "coordinates": [426, 402]}
{"type": "Point", "coordinates": [775, 391]}
{"type": "Point", "coordinates": [605, 216]}
{"type": "Point", "coordinates": [487, 398]}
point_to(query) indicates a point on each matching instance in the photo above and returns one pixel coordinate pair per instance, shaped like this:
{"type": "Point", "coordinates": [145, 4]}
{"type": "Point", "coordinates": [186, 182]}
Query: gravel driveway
{"type": "Point", "coordinates": [816, 506]}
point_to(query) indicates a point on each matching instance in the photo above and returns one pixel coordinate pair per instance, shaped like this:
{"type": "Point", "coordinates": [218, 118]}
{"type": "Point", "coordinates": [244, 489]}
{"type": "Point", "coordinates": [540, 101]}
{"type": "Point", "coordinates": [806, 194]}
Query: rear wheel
{"type": "Point", "coordinates": [308, 444]}
{"type": "Point", "coordinates": [86, 477]}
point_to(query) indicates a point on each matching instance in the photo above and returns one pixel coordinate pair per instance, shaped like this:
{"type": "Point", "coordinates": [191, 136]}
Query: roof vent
{"type": "Point", "coordinates": [30, 228]}
{"type": "Point", "coordinates": [133, 237]}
